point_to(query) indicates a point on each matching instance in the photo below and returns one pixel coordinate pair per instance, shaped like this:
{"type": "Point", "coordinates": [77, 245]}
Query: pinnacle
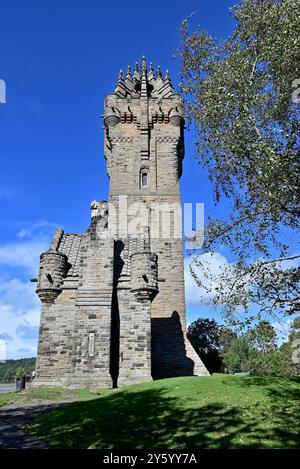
{"type": "Point", "coordinates": [144, 64]}
{"type": "Point", "coordinates": [129, 73]}
{"type": "Point", "coordinates": [158, 73]}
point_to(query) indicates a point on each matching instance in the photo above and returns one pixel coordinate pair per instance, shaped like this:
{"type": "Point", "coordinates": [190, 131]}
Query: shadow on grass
{"type": "Point", "coordinates": [284, 396]}
{"type": "Point", "coordinates": [152, 419]}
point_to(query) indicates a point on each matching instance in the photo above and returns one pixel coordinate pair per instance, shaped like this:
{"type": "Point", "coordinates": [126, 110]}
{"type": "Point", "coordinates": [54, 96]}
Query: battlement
{"type": "Point", "coordinates": [144, 134]}
{"type": "Point", "coordinates": [140, 91]}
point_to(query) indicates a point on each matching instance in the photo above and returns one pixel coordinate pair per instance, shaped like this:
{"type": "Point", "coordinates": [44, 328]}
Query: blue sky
{"type": "Point", "coordinates": [59, 59]}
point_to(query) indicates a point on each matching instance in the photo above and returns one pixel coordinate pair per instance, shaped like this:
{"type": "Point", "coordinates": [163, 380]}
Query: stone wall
{"type": "Point", "coordinates": [74, 338]}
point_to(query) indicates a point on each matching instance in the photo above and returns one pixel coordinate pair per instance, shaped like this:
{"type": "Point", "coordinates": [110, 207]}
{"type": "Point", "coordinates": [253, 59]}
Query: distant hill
{"type": "Point", "coordinates": [13, 368]}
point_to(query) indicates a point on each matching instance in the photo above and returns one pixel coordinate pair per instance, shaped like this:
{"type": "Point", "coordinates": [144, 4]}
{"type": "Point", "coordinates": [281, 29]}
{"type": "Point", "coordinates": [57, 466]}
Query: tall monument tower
{"type": "Point", "coordinates": [113, 306]}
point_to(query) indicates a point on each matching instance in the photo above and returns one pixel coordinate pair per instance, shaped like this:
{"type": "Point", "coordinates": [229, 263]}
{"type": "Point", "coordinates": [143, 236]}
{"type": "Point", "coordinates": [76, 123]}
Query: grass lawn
{"type": "Point", "coordinates": [6, 398]}
{"type": "Point", "coordinates": [45, 394]}
{"type": "Point", "coordinates": [181, 413]}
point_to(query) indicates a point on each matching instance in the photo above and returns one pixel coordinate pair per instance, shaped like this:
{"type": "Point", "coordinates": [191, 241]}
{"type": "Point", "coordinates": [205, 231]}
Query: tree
{"type": "Point", "coordinates": [11, 369]}
{"type": "Point", "coordinates": [227, 336]}
{"type": "Point", "coordinates": [263, 337]}
{"type": "Point", "coordinates": [204, 335]}
{"type": "Point", "coordinates": [241, 95]}
{"type": "Point", "coordinates": [209, 339]}
{"type": "Point", "coordinates": [20, 372]}
{"type": "Point", "coordinates": [241, 356]}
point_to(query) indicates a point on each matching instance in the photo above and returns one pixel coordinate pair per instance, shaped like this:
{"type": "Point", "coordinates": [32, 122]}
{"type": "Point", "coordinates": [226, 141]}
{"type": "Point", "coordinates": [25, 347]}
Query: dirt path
{"type": "Point", "coordinates": [12, 419]}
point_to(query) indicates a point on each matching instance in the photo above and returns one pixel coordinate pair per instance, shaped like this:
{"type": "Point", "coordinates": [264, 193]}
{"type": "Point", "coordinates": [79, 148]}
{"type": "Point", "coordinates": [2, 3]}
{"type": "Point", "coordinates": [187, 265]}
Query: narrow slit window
{"type": "Point", "coordinates": [144, 179]}
{"type": "Point", "coordinates": [91, 344]}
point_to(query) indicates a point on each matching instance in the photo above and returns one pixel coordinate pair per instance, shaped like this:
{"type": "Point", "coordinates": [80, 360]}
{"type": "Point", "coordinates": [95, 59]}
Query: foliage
{"type": "Point", "coordinates": [207, 337]}
{"type": "Point", "coordinates": [226, 338]}
{"type": "Point", "coordinates": [204, 335]}
{"type": "Point", "coordinates": [241, 356]}
{"type": "Point", "coordinates": [255, 350]}
{"type": "Point", "coordinates": [240, 95]}
{"type": "Point", "coordinates": [263, 337]}
{"type": "Point", "coordinates": [218, 411]}
{"type": "Point", "coordinates": [12, 369]}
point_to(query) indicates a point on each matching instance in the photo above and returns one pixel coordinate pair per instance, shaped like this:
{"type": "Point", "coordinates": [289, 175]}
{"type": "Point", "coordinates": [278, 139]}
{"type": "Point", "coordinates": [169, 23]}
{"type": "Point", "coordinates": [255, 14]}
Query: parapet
{"type": "Point", "coordinates": [143, 84]}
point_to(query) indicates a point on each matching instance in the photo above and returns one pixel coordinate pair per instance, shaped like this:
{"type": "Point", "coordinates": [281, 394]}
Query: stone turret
{"type": "Point", "coordinates": [144, 271]}
{"type": "Point", "coordinates": [135, 302]}
{"type": "Point", "coordinates": [53, 270]}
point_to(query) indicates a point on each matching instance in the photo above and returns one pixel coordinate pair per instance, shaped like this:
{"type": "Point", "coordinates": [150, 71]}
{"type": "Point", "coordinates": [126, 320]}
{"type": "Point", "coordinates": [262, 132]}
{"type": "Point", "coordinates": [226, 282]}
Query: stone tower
{"type": "Point", "coordinates": [113, 306]}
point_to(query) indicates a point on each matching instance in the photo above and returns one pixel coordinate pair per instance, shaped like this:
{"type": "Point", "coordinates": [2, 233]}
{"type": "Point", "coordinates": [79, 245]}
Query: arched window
{"type": "Point", "coordinates": [144, 178]}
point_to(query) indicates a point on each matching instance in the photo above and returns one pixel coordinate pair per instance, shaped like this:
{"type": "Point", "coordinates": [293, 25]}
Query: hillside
{"type": "Point", "coordinates": [220, 411]}
{"type": "Point", "coordinates": [12, 368]}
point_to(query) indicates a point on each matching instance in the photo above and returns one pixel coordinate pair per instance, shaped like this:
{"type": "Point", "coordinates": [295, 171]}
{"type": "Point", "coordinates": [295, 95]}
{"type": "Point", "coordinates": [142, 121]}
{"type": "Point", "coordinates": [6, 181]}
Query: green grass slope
{"type": "Point", "coordinates": [42, 395]}
{"type": "Point", "coordinates": [6, 398]}
{"type": "Point", "coordinates": [181, 413]}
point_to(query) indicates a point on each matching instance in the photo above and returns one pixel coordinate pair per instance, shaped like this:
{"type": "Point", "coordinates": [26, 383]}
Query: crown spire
{"type": "Point", "coordinates": [144, 82]}
{"type": "Point", "coordinates": [144, 78]}
{"type": "Point", "coordinates": [144, 65]}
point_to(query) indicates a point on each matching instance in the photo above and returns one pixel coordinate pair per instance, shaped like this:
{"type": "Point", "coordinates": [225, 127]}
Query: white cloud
{"type": "Point", "coordinates": [19, 312]}
{"type": "Point", "coordinates": [19, 294]}
{"type": "Point", "coordinates": [283, 329]}
{"type": "Point", "coordinates": [199, 295]}
{"type": "Point", "coordinates": [22, 233]}
{"type": "Point", "coordinates": [24, 254]}
{"type": "Point", "coordinates": [35, 230]}
{"type": "Point", "coordinates": [19, 304]}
